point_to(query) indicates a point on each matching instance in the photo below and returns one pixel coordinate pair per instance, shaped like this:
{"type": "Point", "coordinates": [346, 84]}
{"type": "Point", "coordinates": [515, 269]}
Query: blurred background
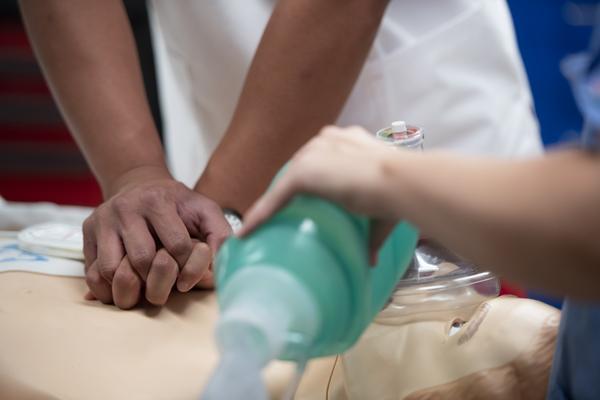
{"type": "Point", "coordinates": [40, 162]}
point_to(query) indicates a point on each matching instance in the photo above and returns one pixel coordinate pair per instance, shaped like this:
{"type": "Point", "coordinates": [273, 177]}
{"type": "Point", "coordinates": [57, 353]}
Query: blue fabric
{"type": "Point", "coordinates": [576, 369]}
{"type": "Point", "coordinates": [583, 72]}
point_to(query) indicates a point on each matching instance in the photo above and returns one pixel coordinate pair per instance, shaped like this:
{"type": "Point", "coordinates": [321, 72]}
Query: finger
{"type": "Point", "coordinates": [268, 204]}
{"type": "Point", "coordinates": [172, 233]}
{"type": "Point", "coordinates": [99, 287]}
{"type": "Point", "coordinates": [216, 236]}
{"type": "Point", "coordinates": [380, 230]}
{"type": "Point", "coordinates": [207, 281]}
{"type": "Point", "coordinates": [126, 286]}
{"type": "Point", "coordinates": [89, 242]}
{"type": "Point", "coordinates": [214, 228]}
{"type": "Point", "coordinates": [139, 245]}
{"type": "Point", "coordinates": [161, 278]}
{"type": "Point", "coordinates": [110, 252]}
{"type": "Point", "coordinates": [195, 268]}
{"type": "Point", "coordinates": [90, 296]}
{"type": "Point", "coordinates": [215, 240]}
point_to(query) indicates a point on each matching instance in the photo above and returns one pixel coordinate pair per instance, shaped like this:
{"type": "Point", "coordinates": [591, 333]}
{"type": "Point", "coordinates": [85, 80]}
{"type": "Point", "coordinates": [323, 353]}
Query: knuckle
{"type": "Point", "coordinates": [178, 244]}
{"type": "Point", "coordinates": [180, 237]}
{"type": "Point", "coordinates": [93, 280]}
{"type": "Point", "coordinates": [121, 205]}
{"type": "Point", "coordinates": [140, 258]}
{"type": "Point", "coordinates": [153, 196]}
{"type": "Point", "coordinates": [101, 216]}
{"type": "Point", "coordinates": [164, 265]}
{"type": "Point", "coordinates": [126, 281]}
{"type": "Point", "coordinates": [107, 268]}
{"type": "Point", "coordinates": [164, 270]}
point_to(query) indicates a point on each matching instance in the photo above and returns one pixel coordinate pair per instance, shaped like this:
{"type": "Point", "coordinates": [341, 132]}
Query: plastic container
{"type": "Point", "coordinates": [400, 134]}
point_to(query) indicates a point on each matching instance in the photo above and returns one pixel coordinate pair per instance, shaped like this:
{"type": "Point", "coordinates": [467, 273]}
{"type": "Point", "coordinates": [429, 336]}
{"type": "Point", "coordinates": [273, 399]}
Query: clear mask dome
{"type": "Point", "coordinates": [437, 285]}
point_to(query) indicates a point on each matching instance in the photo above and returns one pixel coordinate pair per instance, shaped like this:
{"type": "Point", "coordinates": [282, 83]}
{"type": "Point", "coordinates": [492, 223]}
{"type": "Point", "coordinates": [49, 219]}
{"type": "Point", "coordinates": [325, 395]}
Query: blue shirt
{"type": "Point", "coordinates": [576, 369]}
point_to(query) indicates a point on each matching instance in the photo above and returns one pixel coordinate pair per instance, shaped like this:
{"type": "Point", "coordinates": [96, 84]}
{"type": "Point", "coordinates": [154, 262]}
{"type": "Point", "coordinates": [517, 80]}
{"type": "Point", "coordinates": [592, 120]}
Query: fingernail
{"type": "Point", "coordinates": [184, 287]}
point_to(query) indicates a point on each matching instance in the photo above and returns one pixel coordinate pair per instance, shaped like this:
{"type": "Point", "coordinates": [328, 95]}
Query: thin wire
{"type": "Point", "coordinates": [331, 377]}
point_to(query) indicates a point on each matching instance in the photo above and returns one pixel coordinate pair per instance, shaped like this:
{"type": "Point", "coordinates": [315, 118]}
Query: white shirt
{"type": "Point", "coordinates": [451, 67]}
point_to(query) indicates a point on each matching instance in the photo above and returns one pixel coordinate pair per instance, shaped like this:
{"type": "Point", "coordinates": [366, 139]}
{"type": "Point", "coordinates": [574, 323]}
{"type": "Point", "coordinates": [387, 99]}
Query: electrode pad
{"type": "Point", "coordinates": [53, 239]}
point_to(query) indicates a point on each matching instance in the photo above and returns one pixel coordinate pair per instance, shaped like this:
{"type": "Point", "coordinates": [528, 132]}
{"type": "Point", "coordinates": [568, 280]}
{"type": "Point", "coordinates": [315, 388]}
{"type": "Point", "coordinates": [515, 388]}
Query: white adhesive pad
{"type": "Point", "coordinates": [53, 239]}
{"type": "Point", "coordinates": [13, 258]}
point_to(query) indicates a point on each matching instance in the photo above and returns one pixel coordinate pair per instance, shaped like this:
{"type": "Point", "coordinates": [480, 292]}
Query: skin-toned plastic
{"type": "Point", "coordinates": [325, 249]}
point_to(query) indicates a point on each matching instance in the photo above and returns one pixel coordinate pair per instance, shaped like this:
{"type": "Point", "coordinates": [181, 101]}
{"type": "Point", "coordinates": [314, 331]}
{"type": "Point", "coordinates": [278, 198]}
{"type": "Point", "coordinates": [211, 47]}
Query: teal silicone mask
{"type": "Point", "coordinates": [323, 248]}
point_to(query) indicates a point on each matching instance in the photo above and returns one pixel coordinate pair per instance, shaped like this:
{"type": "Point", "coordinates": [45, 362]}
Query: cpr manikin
{"type": "Point", "coordinates": [503, 348]}
{"type": "Point", "coordinates": [445, 334]}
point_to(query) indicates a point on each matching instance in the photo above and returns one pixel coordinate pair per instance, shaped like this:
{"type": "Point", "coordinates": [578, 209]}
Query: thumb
{"type": "Point", "coordinates": [380, 230]}
{"type": "Point", "coordinates": [208, 223]}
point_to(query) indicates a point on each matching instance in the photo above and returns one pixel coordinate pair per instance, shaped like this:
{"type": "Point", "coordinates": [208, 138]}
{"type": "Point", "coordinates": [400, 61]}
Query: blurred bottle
{"type": "Point", "coordinates": [401, 135]}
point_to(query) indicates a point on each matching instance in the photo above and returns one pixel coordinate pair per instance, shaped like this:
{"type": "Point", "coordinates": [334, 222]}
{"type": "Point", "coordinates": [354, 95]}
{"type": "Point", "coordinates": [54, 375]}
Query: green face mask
{"type": "Point", "coordinates": [301, 287]}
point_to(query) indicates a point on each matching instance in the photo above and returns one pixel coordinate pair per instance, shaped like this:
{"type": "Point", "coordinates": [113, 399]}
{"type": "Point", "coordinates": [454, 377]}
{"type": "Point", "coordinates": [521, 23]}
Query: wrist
{"type": "Point", "coordinates": [223, 187]}
{"type": "Point", "coordinates": [136, 174]}
{"type": "Point", "coordinates": [397, 173]}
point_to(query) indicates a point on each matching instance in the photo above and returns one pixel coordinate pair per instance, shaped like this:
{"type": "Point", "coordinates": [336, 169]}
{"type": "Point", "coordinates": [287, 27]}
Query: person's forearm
{"type": "Point", "coordinates": [88, 55]}
{"type": "Point", "coordinates": [537, 222]}
{"type": "Point", "coordinates": [304, 69]}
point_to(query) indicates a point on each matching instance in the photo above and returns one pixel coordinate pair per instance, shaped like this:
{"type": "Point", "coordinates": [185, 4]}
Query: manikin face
{"type": "Point", "coordinates": [446, 334]}
{"type": "Point", "coordinates": [503, 350]}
